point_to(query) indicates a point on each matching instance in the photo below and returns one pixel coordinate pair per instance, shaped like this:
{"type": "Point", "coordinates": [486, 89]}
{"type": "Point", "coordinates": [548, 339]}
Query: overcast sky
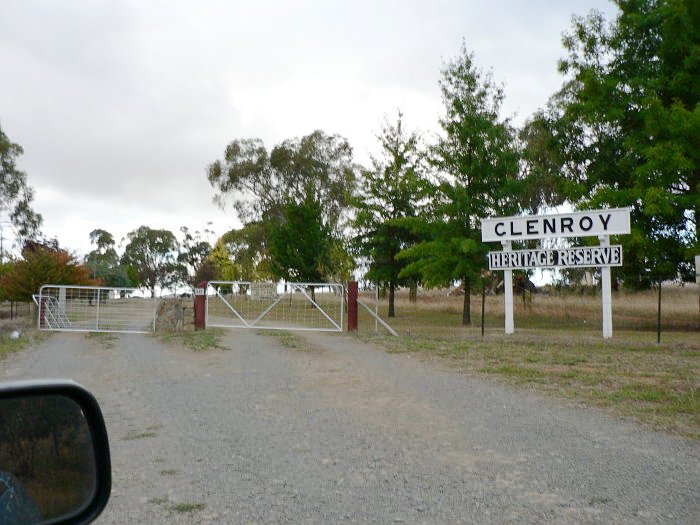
{"type": "Point", "coordinates": [121, 105]}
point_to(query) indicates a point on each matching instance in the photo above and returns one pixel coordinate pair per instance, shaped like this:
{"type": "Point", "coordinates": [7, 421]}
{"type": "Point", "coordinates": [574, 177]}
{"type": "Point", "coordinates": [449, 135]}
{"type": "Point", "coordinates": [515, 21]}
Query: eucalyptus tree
{"type": "Point", "coordinates": [103, 262]}
{"type": "Point", "coordinates": [16, 195]}
{"type": "Point", "coordinates": [268, 188]}
{"type": "Point", "coordinates": [193, 251]}
{"type": "Point", "coordinates": [259, 183]}
{"type": "Point", "coordinates": [152, 255]}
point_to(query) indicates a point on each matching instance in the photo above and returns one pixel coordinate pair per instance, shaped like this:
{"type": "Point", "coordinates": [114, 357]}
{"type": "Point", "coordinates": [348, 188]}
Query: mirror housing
{"type": "Point", "coordinates": [54, 454]}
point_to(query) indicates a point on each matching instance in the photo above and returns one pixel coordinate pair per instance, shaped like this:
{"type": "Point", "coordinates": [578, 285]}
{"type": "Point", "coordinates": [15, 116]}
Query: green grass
{"type": "Point", "coordinates": [187, 507]}
{"type": "Point", "coordinates": [286, 339]}
{"type": "Point", "coordinates": [161, 500]}
{"type": "Point", "coordinates": [139, 435]}
{"type": "Point", "coordinates": [182, 508]}
{"type": "Point", "coordinates": [28, 337]}
{"type": "Point", "coordinates": [8, 346]}
{"type": "Point", "coordinates": [197, 340]}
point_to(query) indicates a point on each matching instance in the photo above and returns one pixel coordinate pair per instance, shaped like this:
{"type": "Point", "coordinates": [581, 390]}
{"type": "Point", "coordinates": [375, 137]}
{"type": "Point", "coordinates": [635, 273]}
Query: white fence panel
{"type": "Point", "coordinates": [288, 306]}
{"type": "Point", "coordinates": [95, 309]}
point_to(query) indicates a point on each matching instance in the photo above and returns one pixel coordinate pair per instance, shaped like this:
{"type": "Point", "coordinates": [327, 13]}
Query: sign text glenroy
{"type": "Point", "coordinates": [576, 224]}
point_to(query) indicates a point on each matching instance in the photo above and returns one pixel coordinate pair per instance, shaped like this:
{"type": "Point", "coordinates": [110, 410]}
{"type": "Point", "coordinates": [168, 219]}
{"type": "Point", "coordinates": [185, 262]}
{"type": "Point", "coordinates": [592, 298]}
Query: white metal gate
{"type": "Point", "coordinates": [289, 306]}
{"type": "Point", "coordinates": [95, 309]}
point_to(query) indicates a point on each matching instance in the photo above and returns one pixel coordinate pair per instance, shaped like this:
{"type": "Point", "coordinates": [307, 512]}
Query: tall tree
{"type": "Point", "coordinates": [15, 194]}
{"type": "Point", "coordinates": [389, 193]}
{"type": "Point", "coordinates": [300, 243]}
{"type": "Point", "coordinates": [193, 251]}
{"type": "Point", "coordinates": [477, 159]}
{"type": "Point", "coordinates": [42, 263]}
{"type": "Point", "coordinates": [103, 262]}
{"type": "Point", "coordinates": [269, 189]}
{"type": "Point", "coordinates": [261, 183]}
{"type": "Point", "coordinates": [153, 256]}
{"type": "Point", "coordinates": [246, 250]}
{"type": "Point", "coordinates": [626, 128]}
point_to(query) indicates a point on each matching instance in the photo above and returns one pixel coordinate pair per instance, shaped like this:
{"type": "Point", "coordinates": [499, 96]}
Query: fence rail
{"type": "Point", "coordinates": [95, 309]}
{"type": "Point", "coordinates": [15, 309]}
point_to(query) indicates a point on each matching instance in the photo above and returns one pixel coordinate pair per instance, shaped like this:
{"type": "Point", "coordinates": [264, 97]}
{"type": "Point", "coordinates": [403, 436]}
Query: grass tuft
{"type": "Point", "coordinates": [286, 339]}
{"type": "Point", "coordinates": [140, 435]}
{"type": "Point", "coordinates": [197, 340]}
{"type": "Point", "coordinates": [187, 507]}
{"type": "Point", "coordinates": [106, 339]}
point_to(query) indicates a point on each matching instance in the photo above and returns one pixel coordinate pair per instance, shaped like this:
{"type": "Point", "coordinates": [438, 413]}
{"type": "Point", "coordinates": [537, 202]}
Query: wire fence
{"type": "Point", "coordinates": [15, 310]}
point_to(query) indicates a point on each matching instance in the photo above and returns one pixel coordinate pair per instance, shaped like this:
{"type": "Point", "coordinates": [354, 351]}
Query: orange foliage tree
{"type": "Point", "coordinates": [42, 263]}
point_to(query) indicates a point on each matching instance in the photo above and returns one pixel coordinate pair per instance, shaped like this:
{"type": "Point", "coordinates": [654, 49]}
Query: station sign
{"type": "Point", "coordinates": [615, 221]}
{"type": "Point", "coordinates": [581, 257]}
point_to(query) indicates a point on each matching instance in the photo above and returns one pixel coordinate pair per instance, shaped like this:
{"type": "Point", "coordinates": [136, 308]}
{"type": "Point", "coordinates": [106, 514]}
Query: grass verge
{"type": "Point", "coordinates": [655, 384]}
{"type": "Point", "coordinates": [197, 340]}
{"type": "Point", "coordinates": [28, 337]}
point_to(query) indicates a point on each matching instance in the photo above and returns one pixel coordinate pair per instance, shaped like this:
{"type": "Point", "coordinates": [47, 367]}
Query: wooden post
{"type": "Point", "coordinates": [200, 306]}
{"type": "Point", "coordinates": [352, 306]}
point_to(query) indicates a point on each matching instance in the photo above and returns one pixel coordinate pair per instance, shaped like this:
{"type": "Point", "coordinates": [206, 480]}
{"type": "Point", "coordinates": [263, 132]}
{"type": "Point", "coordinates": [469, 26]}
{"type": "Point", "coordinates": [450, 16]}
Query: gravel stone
{"type": "Point", "coordinates": [339, 431]}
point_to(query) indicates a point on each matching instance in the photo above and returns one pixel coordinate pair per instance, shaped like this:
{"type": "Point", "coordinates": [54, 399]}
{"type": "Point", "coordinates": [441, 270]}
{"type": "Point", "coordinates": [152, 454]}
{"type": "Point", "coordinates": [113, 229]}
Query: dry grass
{"type": "Point", "coordinates": [558, 349]}
{"type": "Point", "coordinates": [680, 311]}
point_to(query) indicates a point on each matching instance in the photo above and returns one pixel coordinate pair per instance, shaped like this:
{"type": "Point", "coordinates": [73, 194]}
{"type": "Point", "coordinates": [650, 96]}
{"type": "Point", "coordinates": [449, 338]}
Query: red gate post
{"type": "Point", "coordinates": [200, 299]}
{"type": "Point", "coordinates": [352, 306]}
{"type": "Point", "coordinates": [42, 312]}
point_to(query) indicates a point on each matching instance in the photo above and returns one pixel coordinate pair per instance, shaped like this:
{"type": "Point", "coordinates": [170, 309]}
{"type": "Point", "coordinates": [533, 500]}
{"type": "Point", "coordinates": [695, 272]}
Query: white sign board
{"type": "Point", "coordinates": [199, 291]}
{"type": "Point", "coordinates": [261, 291]}
{"type": "Point", "coordinates": [583, 257]}
{"type": "Point", "coordinates": [576, 224]}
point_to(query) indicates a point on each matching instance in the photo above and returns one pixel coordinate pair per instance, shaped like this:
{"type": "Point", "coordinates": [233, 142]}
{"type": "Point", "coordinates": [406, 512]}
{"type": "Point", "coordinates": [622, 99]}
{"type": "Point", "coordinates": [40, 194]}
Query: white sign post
{"type": "Point", "coordinates": [508, 292]}
{"type": "Point", "coordinates": [606, 292]}
{"type": "Point", "coordinates": [598, 223]}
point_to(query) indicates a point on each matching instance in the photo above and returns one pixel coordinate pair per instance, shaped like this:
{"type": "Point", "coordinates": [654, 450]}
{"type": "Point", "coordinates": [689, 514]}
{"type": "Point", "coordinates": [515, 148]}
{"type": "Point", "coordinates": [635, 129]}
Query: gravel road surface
{"type": "Point", "coordinates": [339, 431]}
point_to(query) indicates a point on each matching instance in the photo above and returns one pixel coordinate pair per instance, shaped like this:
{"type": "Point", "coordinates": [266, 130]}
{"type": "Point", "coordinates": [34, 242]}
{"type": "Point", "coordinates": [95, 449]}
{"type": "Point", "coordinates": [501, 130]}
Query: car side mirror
{"type": "Point", "coordinates": [54, 454]}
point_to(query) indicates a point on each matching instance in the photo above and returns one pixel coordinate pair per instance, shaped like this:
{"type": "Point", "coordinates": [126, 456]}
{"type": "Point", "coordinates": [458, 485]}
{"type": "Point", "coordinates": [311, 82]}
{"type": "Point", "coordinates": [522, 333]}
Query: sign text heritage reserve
{"type": "Point", "coordinates": [582, 257]}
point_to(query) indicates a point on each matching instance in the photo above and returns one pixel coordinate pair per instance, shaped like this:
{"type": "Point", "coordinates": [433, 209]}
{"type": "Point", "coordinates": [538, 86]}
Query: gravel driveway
{"type": "Point", "coordinates": [339, 431]}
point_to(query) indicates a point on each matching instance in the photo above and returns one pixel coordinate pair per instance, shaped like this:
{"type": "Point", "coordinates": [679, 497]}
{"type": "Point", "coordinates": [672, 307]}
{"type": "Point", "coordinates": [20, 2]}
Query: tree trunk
{"type": "Point", "coordinates": [392, 289]}
{"type": "Point", "coordinates": [466, 310]}
{"type": "Point", "coordinates": [413, 292]}
{"type": "Point", "coordinates": [483, 307]}
{"type": "Point", "coordinates": [658, 318]}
